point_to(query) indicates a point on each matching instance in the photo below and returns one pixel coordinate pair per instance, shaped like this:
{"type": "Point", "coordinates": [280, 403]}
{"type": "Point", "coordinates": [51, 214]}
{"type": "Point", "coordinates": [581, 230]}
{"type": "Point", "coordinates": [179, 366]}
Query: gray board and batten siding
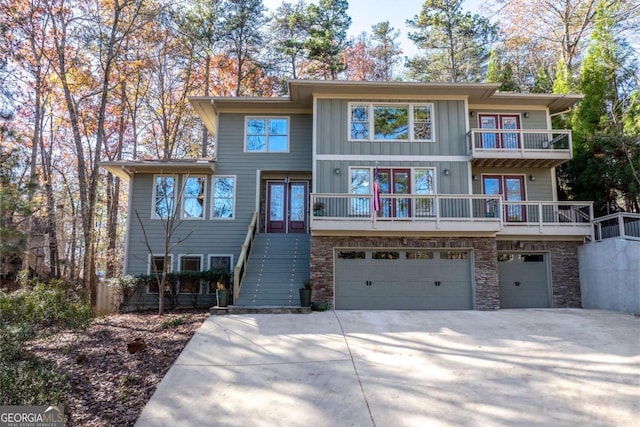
{"type": "Point", "coordinates": [332, 139]}
{"type": "Point", "coordinates": [217, 236]}
{"type": "Point", "coordinates": [537, 119]}
{"type": "Point", "coordinates": [448, 121]}
{"type": "Point", "coordinates": [327, 181]}
{"type": "Point", "coordinates": [541, 189]}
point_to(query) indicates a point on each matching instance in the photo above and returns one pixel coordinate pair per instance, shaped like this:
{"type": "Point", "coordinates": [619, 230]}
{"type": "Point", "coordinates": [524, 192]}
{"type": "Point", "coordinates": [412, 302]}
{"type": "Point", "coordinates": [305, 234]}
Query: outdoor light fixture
{"type": "Point", "coordinates": [446, 172]}
{"type": "Point", "coordinates": [336, 171]}
{"type": "Point", "coordinates": [532, 177]}
{"type": "Point", "coordinates": [472, 113]}
{"type": "Point", "coordinates": [526, 114]}
{"type": "Point", "coordinates": [475, 177]}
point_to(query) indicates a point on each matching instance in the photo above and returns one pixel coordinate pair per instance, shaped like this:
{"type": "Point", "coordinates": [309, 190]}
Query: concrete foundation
{"type": "Point", "coordinates": [610, 275]}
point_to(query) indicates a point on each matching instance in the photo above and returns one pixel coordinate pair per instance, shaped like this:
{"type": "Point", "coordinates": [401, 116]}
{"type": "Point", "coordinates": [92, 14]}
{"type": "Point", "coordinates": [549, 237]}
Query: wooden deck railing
{"type": "Point", "coordinates": [241, 265]}
{"type": "Point", "coordinates": [502, 140]}
{"type": "Point", "coordinates": [621, 224]}
{"type": "Point", "coordinates": [450, 208]}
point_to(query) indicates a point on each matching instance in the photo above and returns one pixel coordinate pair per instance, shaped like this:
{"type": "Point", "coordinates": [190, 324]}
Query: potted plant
{"type": "Point", "coordinates": [318, 208]}
{"type": "Point", "coordinates": [222, 294]}
{"type": "Point", "coordinates": [305, 293]}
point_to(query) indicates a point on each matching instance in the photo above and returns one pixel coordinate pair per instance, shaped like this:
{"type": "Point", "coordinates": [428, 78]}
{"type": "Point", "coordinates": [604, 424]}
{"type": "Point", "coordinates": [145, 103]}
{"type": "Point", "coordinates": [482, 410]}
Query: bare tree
{"type": "Point", "coordinates": [166, 206]}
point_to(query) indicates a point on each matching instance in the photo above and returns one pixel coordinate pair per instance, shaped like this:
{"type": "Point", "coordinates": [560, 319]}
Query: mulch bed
{"type": "Point", "coordinates": [110, 386]}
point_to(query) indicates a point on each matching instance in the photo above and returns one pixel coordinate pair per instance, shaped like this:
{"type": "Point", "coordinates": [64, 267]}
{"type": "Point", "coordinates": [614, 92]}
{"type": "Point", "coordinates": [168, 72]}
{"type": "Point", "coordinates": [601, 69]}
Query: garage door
{"type": "Point", "coordinates": [402, 280]}
{"type": "Point", "coordinates": [524, 280]}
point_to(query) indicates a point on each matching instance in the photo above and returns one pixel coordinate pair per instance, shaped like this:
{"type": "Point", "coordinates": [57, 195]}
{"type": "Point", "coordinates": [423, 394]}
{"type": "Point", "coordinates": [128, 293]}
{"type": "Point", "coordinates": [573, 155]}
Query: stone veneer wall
{"type": "Point", "coordinates": [565, 274]}
{"type": "Point", "coordinates": [487, 291]}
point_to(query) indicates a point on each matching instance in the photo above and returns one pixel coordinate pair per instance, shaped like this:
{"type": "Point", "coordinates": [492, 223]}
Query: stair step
{"type": "Point", "coordinates": [277, 267]}
{"type": "Point", "coordinates": [259, 309]}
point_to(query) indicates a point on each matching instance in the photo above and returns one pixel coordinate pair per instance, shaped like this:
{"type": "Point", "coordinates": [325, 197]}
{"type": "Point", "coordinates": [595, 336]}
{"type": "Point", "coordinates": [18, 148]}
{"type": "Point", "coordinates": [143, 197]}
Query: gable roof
{"type": "Point", "coordinates": [302, 92]}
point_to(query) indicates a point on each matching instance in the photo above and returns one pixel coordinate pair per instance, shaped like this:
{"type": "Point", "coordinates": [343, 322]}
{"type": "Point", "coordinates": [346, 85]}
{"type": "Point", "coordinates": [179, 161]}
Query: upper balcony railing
{"type": "Point", "coordinates": [622, 224]}
{"type": "Point", "coordinates": [449, 212]}
{"type": "Point", "coordinates": [519, 147]}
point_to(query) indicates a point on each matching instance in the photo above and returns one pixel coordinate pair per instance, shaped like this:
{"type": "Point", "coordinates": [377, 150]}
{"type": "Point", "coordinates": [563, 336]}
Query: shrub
{"type": "Point", "coordinates": [24, 315]}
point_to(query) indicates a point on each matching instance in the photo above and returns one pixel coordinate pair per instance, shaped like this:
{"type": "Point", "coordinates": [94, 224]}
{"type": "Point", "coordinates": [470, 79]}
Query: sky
{"type": "Point", "coordinates": [365, 13]}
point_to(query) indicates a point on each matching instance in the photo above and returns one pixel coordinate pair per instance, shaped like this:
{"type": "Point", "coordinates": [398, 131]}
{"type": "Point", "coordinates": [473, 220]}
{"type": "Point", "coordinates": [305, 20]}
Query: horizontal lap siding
{"type": "Point", "coordinates": [217, 236]}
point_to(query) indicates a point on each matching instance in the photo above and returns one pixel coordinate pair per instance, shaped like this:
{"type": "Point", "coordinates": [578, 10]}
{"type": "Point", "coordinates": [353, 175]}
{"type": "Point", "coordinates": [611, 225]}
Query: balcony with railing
{"type": "Point", "coordinates": [619, 225]}
{"type": "Point", "coordinates": [448, 213]}
{"type": "Point", "coordinates": [519, 147]}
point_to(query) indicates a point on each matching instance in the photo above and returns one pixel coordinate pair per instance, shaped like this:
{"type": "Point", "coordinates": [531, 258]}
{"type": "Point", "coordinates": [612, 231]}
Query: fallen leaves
{"type": "Point", "coordinates": [110, 386]}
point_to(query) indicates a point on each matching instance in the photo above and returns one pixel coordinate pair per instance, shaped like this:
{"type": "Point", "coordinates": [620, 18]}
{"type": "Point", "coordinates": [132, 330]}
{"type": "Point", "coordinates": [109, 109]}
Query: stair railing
{"type": "Point", "coordinates": [241, 265]}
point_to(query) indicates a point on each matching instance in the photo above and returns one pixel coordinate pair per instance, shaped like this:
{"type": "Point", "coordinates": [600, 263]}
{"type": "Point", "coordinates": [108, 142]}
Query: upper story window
{"type": "Point", "coordinates": [267, 134]}
{"type": "Point", "coordinates": [224, 196]}
{"type": "Point", "coordinates": [390, 122]}
{"type": "Point", "coordinates": [193, 203]}
{"type": "Point", "coordinates": [163, 196]}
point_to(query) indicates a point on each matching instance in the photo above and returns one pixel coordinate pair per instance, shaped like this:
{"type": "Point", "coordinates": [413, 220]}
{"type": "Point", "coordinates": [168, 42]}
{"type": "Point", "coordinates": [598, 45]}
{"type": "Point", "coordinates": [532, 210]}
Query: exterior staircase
{"type": "Point", "coordinates": [278, 265]}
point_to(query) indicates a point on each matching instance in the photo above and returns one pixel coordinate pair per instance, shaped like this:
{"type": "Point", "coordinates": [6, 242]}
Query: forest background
{"type": "Point", "coordinates": [94, 80]}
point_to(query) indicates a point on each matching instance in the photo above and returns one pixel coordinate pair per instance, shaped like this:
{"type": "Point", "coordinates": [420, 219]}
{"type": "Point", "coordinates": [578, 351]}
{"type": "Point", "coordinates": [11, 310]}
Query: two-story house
{"type": "Point", "coordinates": [387, 195]}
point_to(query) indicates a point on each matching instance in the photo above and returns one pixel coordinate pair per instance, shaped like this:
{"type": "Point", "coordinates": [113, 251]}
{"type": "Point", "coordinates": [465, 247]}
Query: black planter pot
{"type": "Point", "coordinates": [305, 297]}
{"type": "Point", "coordinates": [222, 297]}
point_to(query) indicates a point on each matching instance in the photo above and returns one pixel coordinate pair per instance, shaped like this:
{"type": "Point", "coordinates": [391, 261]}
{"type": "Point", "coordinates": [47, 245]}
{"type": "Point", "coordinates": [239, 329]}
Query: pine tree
{"type": "Point", "coordinates": [328, 27]}
{"type": "Point", "coordinates": [385, 51]}
{"type": "Point", "coordinates": [606, 154]}
{"type": "Point", "coordinates": [563, 81]}
{"type": "Point", "coordinates": [455, 44]}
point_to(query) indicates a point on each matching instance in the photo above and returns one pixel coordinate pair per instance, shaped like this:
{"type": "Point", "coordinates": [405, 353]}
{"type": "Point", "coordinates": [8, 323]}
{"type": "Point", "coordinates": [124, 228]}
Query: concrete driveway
{"type": "Point", "coordinates": [406, 368]}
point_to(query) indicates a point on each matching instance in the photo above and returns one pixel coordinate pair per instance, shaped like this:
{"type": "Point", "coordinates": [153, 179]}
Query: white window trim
{"type": "Point", "coordinates": [371, 178]}
{"type": "Point", "coordinates": [410, 106]}
{"type": "Point", "coordinates": [204, 194]}
{"type": "Point", "coordinates": [412, 171]}
{"type": "Point", "coordinates": [220, 255]}
{"type": "Point", "coordinates": [213, 197]}
{"type": "Point", "coordinates": [497, 114]}
{"type": "Point", "coordinates": [180, 256]}
{"type": "Point", "coordinates": [153, 194]}
{"type": "Point", "coordinates": [231, 265]}
{"type": "Point", "coordinates": [435, 178]}
{"type": "Point", "coordinates": [267, 151]}
{"type": "Point", "coordinates": [150, 270]}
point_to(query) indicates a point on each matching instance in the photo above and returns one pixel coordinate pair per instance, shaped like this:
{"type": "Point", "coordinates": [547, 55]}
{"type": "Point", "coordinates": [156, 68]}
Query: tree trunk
{"type": "Point", "coordinates": [205, 132]}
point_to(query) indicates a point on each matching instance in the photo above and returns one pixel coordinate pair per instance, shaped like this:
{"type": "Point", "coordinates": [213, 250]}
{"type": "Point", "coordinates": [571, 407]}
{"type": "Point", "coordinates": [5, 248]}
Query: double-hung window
{"type": "Point", "coordinates": [223, 197]}
{"type": "Point", "coordinates": [267, 134]}
{"type": "Point", "coordinates": [193, 199]}
{"type": "Point", "coordinates": [360, 184]}
{"type": "Point", "coordinates": [164, 196]}
{"type": "Point", "coordinates": [391, 122]}
{"type": "Point", "coordinates": [424, 184]}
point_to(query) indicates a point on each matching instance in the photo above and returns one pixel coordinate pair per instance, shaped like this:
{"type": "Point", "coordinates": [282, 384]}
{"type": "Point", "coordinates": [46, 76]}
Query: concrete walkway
{"type": "Point", "coordinates": [406, 368]}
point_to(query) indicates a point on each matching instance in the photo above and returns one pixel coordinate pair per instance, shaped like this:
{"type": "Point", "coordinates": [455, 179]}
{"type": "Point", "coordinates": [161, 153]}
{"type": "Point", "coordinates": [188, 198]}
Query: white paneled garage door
{"type": "Point", "coordinates": [524, 280]}
{"type": "Point", "coordinates": [402, 279]}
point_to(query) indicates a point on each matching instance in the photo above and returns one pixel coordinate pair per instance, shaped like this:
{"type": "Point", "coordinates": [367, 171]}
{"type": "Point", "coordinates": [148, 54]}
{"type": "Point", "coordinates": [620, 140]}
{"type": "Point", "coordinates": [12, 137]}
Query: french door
{"type": "Point", "coordinates": [502, 140]}
{"type": "Point", "coordinates": [394, 181]}
{"type": "Point", "coordinates": [511, 188]}
{"type": "Point", "coordinates": [287, 206]}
